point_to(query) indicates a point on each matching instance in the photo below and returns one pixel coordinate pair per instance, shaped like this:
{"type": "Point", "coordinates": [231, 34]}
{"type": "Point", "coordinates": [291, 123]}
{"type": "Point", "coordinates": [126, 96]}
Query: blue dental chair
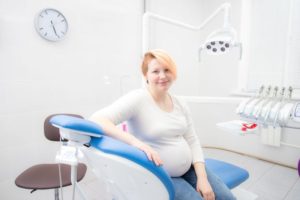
{"type": "Point", "coordinates": [127, 170]}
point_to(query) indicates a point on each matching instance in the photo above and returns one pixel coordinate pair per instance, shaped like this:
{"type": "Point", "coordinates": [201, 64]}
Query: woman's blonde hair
{"type": "Point", "coordinates": [162, 57]}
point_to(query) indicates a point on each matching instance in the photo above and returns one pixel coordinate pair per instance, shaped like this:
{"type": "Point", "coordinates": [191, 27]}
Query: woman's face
{"type": "Point", "coordinates": [159, 77]}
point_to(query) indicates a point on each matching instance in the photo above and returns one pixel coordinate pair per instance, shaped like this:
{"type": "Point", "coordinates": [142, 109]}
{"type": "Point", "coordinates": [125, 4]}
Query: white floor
{"type": "Point", "coordinates": [268, 181]}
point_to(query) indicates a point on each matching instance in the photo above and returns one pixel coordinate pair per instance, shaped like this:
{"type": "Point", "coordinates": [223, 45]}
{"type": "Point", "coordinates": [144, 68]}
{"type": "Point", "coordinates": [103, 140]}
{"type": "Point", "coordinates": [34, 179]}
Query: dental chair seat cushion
{"type": "Point", "coordinates": [231, 175]}
{"type": "Point", "coordinates": [46, 176]}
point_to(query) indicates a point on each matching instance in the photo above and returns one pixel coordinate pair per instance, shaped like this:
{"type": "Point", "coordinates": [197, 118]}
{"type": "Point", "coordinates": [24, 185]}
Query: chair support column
{"type": "Point", "coordinates": [56, 194]}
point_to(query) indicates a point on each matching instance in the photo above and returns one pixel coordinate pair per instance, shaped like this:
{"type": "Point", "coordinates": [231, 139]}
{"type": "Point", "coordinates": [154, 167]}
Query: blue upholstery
{"type": "Point", "coordinates": [231, 175]}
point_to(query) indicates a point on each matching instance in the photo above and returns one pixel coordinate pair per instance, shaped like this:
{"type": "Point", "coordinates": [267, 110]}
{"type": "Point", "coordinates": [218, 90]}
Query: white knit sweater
{"type": "Point", "coordinates": [171, 134]}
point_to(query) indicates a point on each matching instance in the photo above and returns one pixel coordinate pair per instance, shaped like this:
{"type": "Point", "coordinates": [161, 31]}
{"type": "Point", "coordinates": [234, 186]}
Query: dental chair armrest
{"type": "Point", "coordinates": [77, 125]}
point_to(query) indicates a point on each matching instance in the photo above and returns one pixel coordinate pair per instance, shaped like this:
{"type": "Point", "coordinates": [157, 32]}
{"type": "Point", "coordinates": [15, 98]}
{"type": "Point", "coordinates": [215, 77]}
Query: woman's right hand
{"type": "Point", "coordinates": [149, 151]}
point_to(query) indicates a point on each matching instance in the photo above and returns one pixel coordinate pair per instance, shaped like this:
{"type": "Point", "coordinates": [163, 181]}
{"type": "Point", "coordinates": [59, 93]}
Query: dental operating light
{"type": "Point", "coordinates": [218, 42]}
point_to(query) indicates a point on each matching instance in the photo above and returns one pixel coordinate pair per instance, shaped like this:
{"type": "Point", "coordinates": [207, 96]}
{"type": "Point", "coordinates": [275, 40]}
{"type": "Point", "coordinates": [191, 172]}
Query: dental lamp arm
{"type": "Point", "coordinates": [148, 15]}
{"type": "Point", "coordinates": [224, 7]}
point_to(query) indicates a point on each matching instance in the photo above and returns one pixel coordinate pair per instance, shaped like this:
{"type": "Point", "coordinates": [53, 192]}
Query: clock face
{"type": "Point", "coordinates": [51, 24]}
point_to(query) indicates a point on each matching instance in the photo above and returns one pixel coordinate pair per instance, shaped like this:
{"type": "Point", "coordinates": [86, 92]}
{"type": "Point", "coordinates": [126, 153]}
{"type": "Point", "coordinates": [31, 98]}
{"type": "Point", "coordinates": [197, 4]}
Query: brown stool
{"type": "Point", "coordinates": [46, 176]}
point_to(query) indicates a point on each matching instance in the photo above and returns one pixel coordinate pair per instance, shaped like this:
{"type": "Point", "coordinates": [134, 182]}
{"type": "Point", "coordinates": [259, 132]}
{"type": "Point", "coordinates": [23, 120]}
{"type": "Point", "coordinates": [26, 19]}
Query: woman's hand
{"type": "Point", "coordinates": [151, 154]}
{"type": "Point", "coordinates": [204, 188]}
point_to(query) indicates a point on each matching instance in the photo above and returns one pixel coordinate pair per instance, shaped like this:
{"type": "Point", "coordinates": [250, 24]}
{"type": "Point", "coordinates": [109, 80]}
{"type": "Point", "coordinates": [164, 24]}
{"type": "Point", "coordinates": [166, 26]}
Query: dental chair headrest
{"type": "Point", "coordinates": [76, 124]}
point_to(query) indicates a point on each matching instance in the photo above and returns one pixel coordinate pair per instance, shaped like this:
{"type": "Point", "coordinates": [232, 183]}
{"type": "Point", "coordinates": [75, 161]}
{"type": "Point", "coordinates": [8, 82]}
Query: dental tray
{"type": "Point", "coordinates": [238, 126]}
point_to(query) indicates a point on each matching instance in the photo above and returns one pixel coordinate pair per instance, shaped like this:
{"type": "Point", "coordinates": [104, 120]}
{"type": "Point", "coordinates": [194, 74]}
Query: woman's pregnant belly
{"type": "Point", "coordinates": [176, 157]}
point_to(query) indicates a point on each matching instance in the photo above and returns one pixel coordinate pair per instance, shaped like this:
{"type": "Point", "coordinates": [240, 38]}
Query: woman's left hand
{"type": "Point", "coordinates": [204, 188]}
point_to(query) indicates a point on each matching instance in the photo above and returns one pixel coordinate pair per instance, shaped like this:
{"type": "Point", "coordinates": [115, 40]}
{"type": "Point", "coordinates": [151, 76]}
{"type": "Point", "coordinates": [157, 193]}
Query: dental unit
{"type": "Point", "coordinates": [271, 111]}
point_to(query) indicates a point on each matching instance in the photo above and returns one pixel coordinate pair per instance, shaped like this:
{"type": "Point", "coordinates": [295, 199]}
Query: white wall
{"type": "Point", "coordinates": [267, 50]}
{"type": "Point", "coordinates": [292, 69]}
{"type": "Point", "coordinates": [38, 78]}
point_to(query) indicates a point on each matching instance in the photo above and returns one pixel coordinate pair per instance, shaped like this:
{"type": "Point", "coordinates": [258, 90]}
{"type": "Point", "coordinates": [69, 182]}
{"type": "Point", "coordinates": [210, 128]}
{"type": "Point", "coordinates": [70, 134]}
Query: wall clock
{"type": "Point", "coordinates": [51, 24]}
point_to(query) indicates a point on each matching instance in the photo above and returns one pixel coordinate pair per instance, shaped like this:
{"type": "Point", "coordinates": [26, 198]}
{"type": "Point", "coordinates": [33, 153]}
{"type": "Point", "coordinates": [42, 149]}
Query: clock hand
{"type": "Point", "coordinates": [54, 29]}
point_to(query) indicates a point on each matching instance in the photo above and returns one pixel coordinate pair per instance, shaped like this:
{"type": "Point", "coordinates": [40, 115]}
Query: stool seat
{"type": "Point", "coordinates": [231, 175]}
{"type": "Point", "coordinates": [46, 176]}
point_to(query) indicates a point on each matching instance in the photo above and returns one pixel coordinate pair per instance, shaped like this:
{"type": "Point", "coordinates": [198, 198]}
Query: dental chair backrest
{"type": "Point", "coordinates": [126, 170]}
